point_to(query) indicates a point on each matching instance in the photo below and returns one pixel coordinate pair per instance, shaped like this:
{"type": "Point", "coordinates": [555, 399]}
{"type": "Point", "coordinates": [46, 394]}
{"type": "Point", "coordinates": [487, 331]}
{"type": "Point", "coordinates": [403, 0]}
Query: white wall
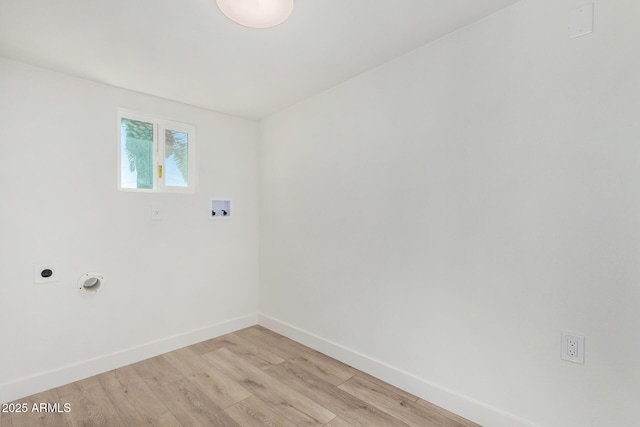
{"type": "Point", "coordinates": [167, 283]}
{"type": "Point", "coordinates": [446, 215]}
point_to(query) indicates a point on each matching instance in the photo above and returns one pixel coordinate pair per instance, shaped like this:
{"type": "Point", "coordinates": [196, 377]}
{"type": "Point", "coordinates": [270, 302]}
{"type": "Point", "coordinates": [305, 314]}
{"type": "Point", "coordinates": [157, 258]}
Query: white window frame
{"type": "Point", "coordinates": [160, 125]}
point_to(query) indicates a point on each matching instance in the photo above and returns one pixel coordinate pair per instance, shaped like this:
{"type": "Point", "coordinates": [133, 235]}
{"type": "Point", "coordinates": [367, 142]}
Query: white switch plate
{"type": "Point", "coordinates": [572, 348]}
{"type": "Point", "coordinates": [581, 21]}
{"type": "Point", "coordinates": [156, 213]}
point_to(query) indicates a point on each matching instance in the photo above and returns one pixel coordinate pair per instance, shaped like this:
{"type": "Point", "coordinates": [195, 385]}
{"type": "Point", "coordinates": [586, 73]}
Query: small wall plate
{"type": "Point", "coordinates": [572, 347]}
{"type": "Point", "coordinates": [45, 273]}
{"type": "Point", "coordinates": [581, 21]}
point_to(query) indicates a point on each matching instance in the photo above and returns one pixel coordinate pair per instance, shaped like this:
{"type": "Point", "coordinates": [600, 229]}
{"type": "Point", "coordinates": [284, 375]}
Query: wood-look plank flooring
{"type": "Point", "coordinates": [253, 377]}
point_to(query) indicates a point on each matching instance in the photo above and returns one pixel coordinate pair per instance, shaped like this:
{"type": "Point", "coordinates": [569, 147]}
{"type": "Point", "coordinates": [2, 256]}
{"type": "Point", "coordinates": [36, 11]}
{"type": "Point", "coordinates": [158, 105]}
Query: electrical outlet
{"type": "Point", "coordinates": [572, 348]}
{"type": "Point", "coordinates": [45, 273]}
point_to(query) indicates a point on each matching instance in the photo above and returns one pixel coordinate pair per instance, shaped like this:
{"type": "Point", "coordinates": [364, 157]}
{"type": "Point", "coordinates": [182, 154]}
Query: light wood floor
{"type": "Point", "coordinates": [253, 377]}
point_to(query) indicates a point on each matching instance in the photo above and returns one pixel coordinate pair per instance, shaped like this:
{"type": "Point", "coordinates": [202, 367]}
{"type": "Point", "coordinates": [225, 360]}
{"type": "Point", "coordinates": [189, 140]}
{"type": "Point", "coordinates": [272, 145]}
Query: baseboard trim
{"type": "Point", "coordinates": [57, 377]}
{"type": "Point", "coordinates": [464, 406]}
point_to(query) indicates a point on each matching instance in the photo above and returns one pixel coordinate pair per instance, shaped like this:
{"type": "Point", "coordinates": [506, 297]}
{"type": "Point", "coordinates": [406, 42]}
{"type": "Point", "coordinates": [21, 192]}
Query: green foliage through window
{"type": "Point", "coordinates": [176, 152]}
{"type": "Point", "coordinates": [156, 154]}
{"type": "Point", "coordinates": [137, 140]}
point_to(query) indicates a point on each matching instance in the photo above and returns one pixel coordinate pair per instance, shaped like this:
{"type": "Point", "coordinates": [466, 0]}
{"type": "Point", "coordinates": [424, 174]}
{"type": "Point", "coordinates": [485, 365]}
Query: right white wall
{"type": "Point", "coordinates": [448, 214]}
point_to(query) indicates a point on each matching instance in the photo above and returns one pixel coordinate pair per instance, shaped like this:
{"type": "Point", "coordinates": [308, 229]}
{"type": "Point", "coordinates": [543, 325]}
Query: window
{"type": "Point", "coordinates": [156, 154]}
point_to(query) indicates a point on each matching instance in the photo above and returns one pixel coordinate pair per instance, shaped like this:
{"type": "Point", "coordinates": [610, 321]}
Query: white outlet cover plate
{"type": "Point", "coordinates": [581, 21]}
{"type": "Point", "coordinates": [579, 339]}
{"type": "Point", "coordinates": [156, 213]}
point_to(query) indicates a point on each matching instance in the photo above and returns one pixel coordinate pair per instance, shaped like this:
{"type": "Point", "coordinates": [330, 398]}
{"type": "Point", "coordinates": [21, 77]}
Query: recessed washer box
{"type": "Point", "coordinates": [220, 209]}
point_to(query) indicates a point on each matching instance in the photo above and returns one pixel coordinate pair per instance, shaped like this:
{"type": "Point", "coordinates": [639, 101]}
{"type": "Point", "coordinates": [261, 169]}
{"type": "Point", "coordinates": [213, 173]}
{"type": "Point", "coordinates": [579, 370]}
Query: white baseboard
{"type": "Point", "coordinates": [464, 406]}
{"type": "Point", "coordinates": [54, 378]}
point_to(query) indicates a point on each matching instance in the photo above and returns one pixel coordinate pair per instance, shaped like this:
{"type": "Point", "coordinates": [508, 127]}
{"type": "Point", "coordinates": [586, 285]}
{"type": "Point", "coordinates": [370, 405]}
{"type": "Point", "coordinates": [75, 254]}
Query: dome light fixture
{"type": "Point", "coordinates": [257, 13]}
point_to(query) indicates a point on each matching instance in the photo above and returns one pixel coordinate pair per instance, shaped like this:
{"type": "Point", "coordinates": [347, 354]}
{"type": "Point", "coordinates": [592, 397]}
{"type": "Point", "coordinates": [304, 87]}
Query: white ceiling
{"type": "Point", "coordinates": [187, 51]}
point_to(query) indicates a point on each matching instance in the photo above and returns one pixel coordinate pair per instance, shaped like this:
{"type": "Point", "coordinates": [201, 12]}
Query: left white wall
{"type": "Point", "coordinates": [167, 283]}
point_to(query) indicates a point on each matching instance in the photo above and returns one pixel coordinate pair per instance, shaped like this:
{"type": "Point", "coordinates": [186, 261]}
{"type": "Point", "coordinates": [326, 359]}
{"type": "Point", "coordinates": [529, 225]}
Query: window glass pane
{"type": "Point", "coordinates": [176, 162]}
{"type": "Point", "coordinates": [136, 154]}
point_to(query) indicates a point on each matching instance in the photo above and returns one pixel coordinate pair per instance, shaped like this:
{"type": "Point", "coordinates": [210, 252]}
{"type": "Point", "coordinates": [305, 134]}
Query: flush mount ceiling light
{"type": "Point", "coordinates": [256, 13]}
